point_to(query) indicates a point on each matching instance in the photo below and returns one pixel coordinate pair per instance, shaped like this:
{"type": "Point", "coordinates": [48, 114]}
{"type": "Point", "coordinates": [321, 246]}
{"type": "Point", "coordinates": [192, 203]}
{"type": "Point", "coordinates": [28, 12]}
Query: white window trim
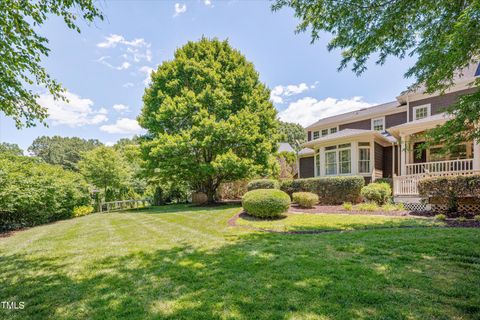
{"type": "Point", "coordinates": [429, 111]}
{"type": "Point", "coordinates": [369, 160]}
{"type": "Point", "coordinates": [380, 118]}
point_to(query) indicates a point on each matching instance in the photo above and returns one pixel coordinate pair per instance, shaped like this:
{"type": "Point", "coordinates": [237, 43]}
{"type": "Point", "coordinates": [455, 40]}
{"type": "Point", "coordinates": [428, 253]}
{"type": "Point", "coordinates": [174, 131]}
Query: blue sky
{"type": "Point", "coordinates": [105, 68]}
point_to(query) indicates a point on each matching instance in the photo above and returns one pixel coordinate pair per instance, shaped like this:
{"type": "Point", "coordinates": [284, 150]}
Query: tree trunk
{"type": "Point", "coordinates": [210, 195]}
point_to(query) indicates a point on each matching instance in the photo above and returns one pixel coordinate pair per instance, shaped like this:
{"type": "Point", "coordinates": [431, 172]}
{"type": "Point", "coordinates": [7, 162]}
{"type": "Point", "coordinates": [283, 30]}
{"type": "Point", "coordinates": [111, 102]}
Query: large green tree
{"type": "Point", "coordinates": [443, 35]}
{"type": "Point", "coordinates": [208, 116]}
{"type": "Point", "coordinates": [293, 133]}
{"type": "Point", "coordinates": [64, 151]}
{"type": "Point", "coordinates": [107, 169]}
{"type": "Point", "coordinates": [22, 48]}
{"type": "Point", "coordinates": [10, 148]}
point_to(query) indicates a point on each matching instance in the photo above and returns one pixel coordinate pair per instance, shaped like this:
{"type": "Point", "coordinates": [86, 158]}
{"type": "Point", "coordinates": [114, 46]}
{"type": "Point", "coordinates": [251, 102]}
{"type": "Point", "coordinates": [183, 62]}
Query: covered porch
{"type": "Point", "coordinates": [416, 164]}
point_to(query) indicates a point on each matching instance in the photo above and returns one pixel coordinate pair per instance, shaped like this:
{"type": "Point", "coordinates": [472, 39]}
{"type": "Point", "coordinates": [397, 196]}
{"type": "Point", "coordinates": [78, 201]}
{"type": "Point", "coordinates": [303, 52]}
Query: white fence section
{"type": "Point", "coordinates": [439, 166]}
{"type": "Point", "coordinates": [124, 205]}
{"type": "Point", "coordinates": [408, 185]}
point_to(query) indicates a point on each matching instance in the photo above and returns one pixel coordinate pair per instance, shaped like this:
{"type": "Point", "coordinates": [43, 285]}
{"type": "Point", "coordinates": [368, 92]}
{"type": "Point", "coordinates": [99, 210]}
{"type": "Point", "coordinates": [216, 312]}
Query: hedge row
{"type": "Point", "coordinates": [330, 190]}
{"type": "Point", "coordinates": [451, 190]}
{"type": "Point", "coordinates": [263, 184]}
{"type": "Point", "coordinates": [33, 193]}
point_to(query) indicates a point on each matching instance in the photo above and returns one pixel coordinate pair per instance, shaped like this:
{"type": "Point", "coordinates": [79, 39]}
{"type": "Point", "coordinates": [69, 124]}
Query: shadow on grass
{"type": "Point", "coordinates": [182, 208]}
{"type": "Point", "coordinates": [395, 275]}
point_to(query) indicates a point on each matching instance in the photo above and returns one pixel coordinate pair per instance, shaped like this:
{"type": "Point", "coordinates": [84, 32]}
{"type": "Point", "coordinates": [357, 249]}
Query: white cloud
{"type": "Point", "coordinates": [147, 71]}
{"type": "Point", "coordinates": [208, 3]}
{"type": "Point", "coordinates": [180, 8]}
{"type": "Point", "coordinates": [124, 66]}
{"type": "Point", "coordinates": [307, 110]}
{"type": "Point", "coordinates": [120, 107]}
{"type": "Point", "coordinates": [128, 85]}
{"type": "Point", "coordinates": [135, 50]}
{"type": "Point", "coordinates": [123, 126]}
{"type": "Point", "coordinates": [77, 112]}
{"type": "Point", "coordinates": [279, 92]}
{"type": "Point", "coordinates": [109, 143]}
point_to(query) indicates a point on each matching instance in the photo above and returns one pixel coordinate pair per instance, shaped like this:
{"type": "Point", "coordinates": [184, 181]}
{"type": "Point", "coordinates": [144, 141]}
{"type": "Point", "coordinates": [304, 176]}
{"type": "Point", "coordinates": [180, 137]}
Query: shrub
{"type": "Point", "coordinates": [462, 219]}
{"type": "Point", "coordinates": [266, 203]}
{"type": "Point", "coordinates": [449, 190]}
{"type": "Point", "coordinates": [33, 193]}
{"type": "Point", "coordinates": [347, 206]}
{"type": "Point", "coordinates": [367, 206]}
{"type": "Point", "coordinates": [440, 217]}
{"type": "Point", "coordinates": [82, 211]}
{"type": "Point", "coordinates": [263, 184]}
{"type": "Point", "coordinates": [305, 199]}
{"type": "Point", "coordinates": [477, 218]}
{"type": "Point", "coordinates": [330, 190]}
{"type": "Point", "coordinates": [379, 193]}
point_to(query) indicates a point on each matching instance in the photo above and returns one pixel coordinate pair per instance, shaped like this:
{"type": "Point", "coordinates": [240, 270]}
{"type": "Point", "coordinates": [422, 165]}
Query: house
{"type": "Point", "coordinates": [381, 142]}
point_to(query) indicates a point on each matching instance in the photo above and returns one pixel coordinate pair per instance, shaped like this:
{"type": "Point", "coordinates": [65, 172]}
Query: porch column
{"type": "Point", "coordinates": [476, 155]}
{"type": "Point", "coordinates": [322, 161]}
{"type": "Point", "coordinates": [354, 157]}
{"type": "Point", "coordinates": [403, 156]}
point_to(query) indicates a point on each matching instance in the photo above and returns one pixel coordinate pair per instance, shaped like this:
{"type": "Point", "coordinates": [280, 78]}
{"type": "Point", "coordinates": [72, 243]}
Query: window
{"type": "Point", "coordinates": [333, 130]}
{"type": "Point", "coordinates": [421, 112]}
{"type": "Point", "coordinates": [364, 157]}
{"type": "Point", "coordinates": [324, 132]}
{"type": "Point", "coordinates": [331, 162]}
{"type": "Point", "coordinates": [378, 124]}
{"type": "Point", "coordinates": [345, 164]}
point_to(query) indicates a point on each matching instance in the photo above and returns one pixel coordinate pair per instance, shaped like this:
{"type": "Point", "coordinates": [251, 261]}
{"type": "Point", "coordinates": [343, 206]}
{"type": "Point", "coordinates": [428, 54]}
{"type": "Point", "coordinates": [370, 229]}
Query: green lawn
{"type": "Point", "coordinates": [177, 262]}
{"type": "Point", "coordinates": [332, 222]}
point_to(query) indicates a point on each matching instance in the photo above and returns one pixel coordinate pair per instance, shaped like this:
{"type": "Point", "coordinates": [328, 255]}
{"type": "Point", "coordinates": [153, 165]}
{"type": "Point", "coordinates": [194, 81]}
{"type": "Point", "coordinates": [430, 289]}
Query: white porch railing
{"type": "Point", "coordinates": [439, 166]}
{"type": "Point", "coordinates": [408, 185]}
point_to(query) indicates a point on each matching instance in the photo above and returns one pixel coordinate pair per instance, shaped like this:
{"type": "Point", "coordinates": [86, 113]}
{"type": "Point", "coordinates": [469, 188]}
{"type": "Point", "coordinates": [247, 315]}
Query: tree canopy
{"type": "Point", "coordinates": [293, 133]}
{"type": "Point", "coordinates": [208, 116]}
{"type": "Point", "coordinates": [22, 48]}
{"type": "Point", "coordinates": [442, 35]}
{"type": "Point", "coordinates": [11, 148]}
{"type": "Point", "coordinates": [64, 151]}
{"type": "Point", "coordinates": [107, 169]}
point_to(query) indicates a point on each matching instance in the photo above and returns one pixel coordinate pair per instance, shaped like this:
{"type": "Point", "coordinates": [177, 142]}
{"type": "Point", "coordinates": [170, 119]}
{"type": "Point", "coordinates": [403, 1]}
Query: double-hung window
{"type": "Point", "coordinates": [378, 124]}
{"type": "Point", "coordinates": [364, 157]}
{"type": "Point", "coordinates": [345, 158]}
{"type": "Point", "coordinates": [316, 135]}
{"type": "Point", "coordinates": [331, 160]}
{"type": "Point", "coordinates": [324, 132]}
{"type": "Point", "coordinates": [333, 130]}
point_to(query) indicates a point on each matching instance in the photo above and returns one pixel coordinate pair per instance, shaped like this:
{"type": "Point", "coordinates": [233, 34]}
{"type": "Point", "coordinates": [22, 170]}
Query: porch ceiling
{"type": "Point", "coordinates": [418, 125]}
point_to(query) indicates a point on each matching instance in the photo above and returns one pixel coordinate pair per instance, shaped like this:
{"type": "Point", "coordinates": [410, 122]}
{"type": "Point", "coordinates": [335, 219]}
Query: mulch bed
{"type": "Point", "coordinates": [339, 209]}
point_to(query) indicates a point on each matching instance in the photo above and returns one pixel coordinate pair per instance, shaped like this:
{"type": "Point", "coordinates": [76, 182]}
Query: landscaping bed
{"type": "Point", "coordinates": [294, 208]}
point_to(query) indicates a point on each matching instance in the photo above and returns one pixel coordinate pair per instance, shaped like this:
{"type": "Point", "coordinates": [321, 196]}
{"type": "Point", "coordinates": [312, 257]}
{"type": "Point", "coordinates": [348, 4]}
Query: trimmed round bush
{"type": "Point", "coordinates": [263, 184]}
{"type": "Point", "coordinates": [305, 199]}
{"type": "Point", "coordinates": [266, 203]}
{"type": "Point", "coordinates": [379, 193]}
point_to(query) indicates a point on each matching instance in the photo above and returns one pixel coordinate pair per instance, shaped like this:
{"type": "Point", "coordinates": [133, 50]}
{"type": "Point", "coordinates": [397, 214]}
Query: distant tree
{"type": "Point", "coordinates": [11, 148]}
{"type": "Point", "coordinates": [209, 118]}
{"type": "Point", "coordinates": [293, 133]}
{"type": "Point", "coordinates": [22, 49]}
{"type": "Point", "coordinates": [107, 169]}
{"type": "Point", "coordinates": [64, 151]}
{"type": "Point", "coordinates": [442, 35]}
{"type": "Point", "coordinates": [130, 150]}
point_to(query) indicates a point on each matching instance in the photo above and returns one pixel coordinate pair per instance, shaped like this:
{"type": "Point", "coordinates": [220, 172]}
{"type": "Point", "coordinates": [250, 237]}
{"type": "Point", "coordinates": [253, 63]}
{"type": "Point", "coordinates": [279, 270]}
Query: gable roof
{"type": "Point", "coordinates": [285, 146]}
{"type": "Point", "coordinates": [357, 115]}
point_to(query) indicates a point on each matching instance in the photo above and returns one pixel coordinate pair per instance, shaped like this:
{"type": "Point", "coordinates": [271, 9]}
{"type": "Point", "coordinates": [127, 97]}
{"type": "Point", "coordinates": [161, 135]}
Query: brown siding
{"type": "Point", "coordinates": [378, 157]}
{"type": "Point", "coordinates": [395, 119]}
{"type": "Point", "coordinates": [388, 161]}
{"type": "Point", "coordinates": [439, 103]}
{"type": "Point", "coordinates": [307, 167]}
{"type": "Point", "coordinates": [364, 124]}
